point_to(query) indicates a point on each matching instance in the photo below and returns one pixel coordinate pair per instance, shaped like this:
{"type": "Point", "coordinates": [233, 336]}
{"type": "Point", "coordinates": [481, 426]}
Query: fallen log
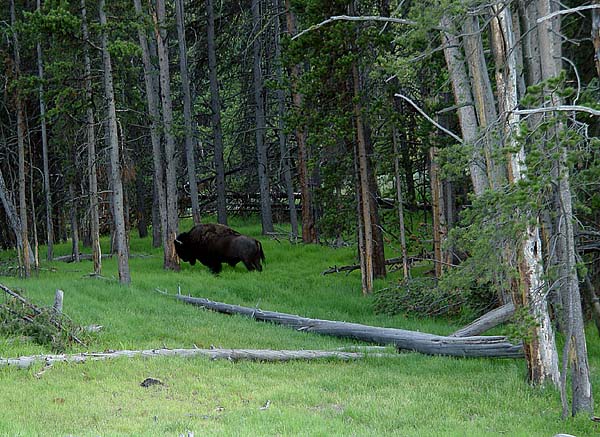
{"type": "Point", "coordinates": [431, 344]}
{"type": "Point", "coordinates": [213, 354]}
{"type": "Point", "coordinates": [487, 321]}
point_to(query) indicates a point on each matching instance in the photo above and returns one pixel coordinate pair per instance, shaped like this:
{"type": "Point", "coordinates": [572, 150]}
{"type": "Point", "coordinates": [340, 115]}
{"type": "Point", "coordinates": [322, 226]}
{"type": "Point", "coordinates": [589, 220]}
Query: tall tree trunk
{"type": "Point", "coordinates": [91, 149]}
{"type": "Point", "coordinates": [483, 97]}
{"type": "Point", "coordinates": [156, 219]}
{"type": "Point", "coordinates": [215, 105]}
{"type": "Point", "coordinates": [115, 167]}
{"type": "Point", "coordinates": [530, 291]}
{"type": "Point", "coordinates": [187, 111]}
{"type": "Point", "coordinates": [399, 200]}
{"type": "Point", "coordinates": [283, 148]}
{"type": "Point", "coordinates": [309, 231]}
{"type": "Point", "coordinates": [596, 35]}
{"type": "Point", "coordinates": [151, 84]}
{"type": "Point", "coordinates": [46, 171]}
{"type": "Point", "coordinates": [259, 102]}
{"type": "Point", "coordinates": [440, 230]}
{"type": "Point", "coordinates": [74, 224]}
{"type": "Point", "coordinates": [171, 258]}
{"type": "Point", "coordinates": [12, 215]}
{"type": "Point", "coordinates": [575, 347]}
{"type": "Point", "coordinates": [463, 99]}
{"type": "Point", "coordinates": [21, 132]}
{"type": "Point", "coordinates": [366, 255]}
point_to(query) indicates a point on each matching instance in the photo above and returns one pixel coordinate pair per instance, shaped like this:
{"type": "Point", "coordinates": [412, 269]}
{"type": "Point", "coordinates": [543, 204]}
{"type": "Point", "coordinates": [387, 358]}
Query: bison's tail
{"type": "Point", "coordinates": [260, 250]}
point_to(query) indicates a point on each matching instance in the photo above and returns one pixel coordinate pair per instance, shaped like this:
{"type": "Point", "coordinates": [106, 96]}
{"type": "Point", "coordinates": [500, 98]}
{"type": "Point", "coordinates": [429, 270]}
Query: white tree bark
{"type": "Point", "coordinates": [541, 353]}
{"type": "Point", "coordinates": [215, 105]}
{"type": "Point", "coordinates": [152, 99]}
{"type": "Point", "coordinates": [464, 101]}
{"type": "Point", "coordinates": [171, 259]}
{"type": "Point", "coordinates": [259, 106]}
{"type": "Point", "coordinates": [575, 345]}
{"type": "Point", "coordinates": [267, 355]}
{"type": "Point", "coordinates": [187, 111]}
{"type": "Point", "coordinates": [115, 165]}
{"type": "Point", "coordinates": [91, 148]}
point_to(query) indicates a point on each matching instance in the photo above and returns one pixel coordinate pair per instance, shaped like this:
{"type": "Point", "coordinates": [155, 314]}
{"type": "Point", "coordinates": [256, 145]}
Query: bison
{"type": "Point", "coordinates": [213, 244]}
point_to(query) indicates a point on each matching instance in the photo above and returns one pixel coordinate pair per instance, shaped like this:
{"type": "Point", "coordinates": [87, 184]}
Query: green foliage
{"type": "Point", "coordinates": [522, 326]}
{"type": "Point", "coordinates": [46, 328]}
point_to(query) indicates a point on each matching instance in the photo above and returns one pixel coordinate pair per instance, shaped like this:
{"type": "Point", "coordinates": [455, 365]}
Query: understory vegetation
{"type": "Point", "coordinates": [410, 394]}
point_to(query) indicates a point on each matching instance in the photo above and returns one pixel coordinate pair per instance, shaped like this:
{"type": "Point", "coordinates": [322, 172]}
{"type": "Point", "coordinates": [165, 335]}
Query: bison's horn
{"type": "Point", "coordinates": [178, 242]}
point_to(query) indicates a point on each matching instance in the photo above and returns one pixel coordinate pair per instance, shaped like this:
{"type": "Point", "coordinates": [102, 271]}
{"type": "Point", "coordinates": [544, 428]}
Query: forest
{"type": "Point", "coordinates": [422, 176]}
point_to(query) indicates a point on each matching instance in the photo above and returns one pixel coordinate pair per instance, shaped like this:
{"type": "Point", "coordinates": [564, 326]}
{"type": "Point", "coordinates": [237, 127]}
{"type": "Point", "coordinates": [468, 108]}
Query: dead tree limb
{"type": "Point", "coordinates": [213, 354]}
{"type": "Point", "coordinates": [487, 321]}
{"type": "Point", "coordinates": [388, 262]}
{"type": "Point", "coordinates": [37, 311]}
{"type": "Point", "coordinates": [431, 344]}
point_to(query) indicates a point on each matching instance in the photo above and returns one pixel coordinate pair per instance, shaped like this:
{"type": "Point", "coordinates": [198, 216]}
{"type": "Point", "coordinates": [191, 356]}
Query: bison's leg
{"type": "Point", "coordinates": [249, 265]}
{"type": "Point", "coordinates": [215, 268]}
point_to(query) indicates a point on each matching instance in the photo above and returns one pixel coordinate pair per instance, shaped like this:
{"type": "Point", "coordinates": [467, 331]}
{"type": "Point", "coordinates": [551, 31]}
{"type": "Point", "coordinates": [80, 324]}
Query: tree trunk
{"type": "Point", "coordinates": [575, 345]}
{"type": "Point", "coordinates": [21, 132]}
{"type": "Point", "coordinates": [596, 36]}
{"type": "Point", "coordinates": [215, 105]}
{"type": "Point", "coordinates": [492, 346]}
{"type": "Point", "coordinates": [74, 224]}
{"type": "Point", "coordinates": [232, 355]}
{"type": "Point", "coordinates": [187, 111]}
{"type": "Point", "coordinates": [440, 230]}
{"type": "Point", "coordinates": [156, 219]}
{"type": "Point", "coordinates": [151, 84]}
{"type": "Point", "coordinates": [366, 255]}
{"type": "Point", "coordinates": [46, 171]}
{"type": "Point", "coordinates": [115, 167]}
{"type": "Point", "coordinates": [11, 213]}
{"type": "Point", "coordinates": [464, 101]}
{"type": "Point", "coordinates": [91, 149]}
{"type": "Point", "coordinates": [283, 148]}
{"type": "Point", "coordinates": [309, 232]}
{"type": "Point", "coordinates": [483, 97]}
{"type": "Point", "coordinates": [259, 102]}
{"type": "Point", "coordinates": [171, 259]}
{"type": "Point", "coordinates": [530, 290]}
{"type": "Point", "coordinates": [399, 200]}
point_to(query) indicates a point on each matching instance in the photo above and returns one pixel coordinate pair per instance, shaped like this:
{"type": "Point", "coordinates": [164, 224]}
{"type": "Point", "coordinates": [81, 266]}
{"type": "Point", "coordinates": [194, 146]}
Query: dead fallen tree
{"type": "Point", "coordinates": [482, 346]}
{"type": "Point", "coordinates": [213, 354]}
{"type": "Point", "coordinates": [487, 321]}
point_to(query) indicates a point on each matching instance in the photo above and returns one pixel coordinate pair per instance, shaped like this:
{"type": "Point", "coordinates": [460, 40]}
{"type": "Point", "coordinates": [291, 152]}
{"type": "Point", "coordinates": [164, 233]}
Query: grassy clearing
{"type": "Point", "coordinates": [411, 395]}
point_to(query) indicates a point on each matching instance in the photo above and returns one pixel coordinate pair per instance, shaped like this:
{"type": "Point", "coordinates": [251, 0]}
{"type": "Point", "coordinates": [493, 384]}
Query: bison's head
{"type": "Point", "coordinates": [183, 248]}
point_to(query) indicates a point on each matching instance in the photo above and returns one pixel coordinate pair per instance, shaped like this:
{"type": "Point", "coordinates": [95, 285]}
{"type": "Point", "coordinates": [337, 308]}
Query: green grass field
{"type": "Point", "coordinates": [411, 395]}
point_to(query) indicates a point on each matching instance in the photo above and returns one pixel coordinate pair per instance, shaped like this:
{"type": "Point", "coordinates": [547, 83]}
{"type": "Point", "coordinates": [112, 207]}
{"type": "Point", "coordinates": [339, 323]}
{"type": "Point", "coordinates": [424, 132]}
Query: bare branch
{"type": "Point", "coordinates": [567, 11]}
{"type": "Point", "coordinates": [431, 120]}
{"type": "Point", "coordinates": [351, 18]}
{"type": "Point", "coordinates": [561, 108]}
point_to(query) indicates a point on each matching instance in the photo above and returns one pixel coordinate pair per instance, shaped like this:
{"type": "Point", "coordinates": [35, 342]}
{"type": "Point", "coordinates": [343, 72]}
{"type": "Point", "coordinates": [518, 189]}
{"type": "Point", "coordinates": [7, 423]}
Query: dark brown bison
{"type": "Point", "coordinates": [213, 244]}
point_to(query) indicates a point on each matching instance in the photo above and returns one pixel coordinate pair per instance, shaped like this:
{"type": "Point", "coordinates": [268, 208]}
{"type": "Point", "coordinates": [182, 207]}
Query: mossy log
{"type": "Point", "coordinates": [431, 344]}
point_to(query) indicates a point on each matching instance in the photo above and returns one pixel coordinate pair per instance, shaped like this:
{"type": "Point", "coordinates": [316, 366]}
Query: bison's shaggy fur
{"type": "Point", "coordinates": [213, 244]}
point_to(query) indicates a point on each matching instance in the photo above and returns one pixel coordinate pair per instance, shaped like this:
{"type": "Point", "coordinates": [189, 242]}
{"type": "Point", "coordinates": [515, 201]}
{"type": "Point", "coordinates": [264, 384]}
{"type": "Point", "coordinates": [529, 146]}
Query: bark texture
{"type": "Point", "coordinates": [115, 164]}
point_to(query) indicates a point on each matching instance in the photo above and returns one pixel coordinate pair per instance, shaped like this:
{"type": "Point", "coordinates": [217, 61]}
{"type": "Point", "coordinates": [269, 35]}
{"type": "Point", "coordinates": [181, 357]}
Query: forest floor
{"type": "Point", "coordinates": [411, 395]}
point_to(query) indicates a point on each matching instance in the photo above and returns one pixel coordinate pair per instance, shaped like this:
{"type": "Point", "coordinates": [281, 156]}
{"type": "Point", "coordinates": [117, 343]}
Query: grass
{"type": "Point", "coordinates": [410, 395]}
